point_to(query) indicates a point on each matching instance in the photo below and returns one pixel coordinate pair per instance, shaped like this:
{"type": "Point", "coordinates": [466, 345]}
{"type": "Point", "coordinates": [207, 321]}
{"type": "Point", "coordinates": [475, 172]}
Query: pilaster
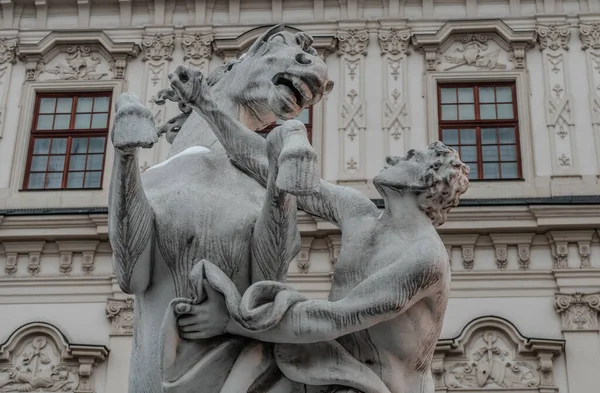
{"type": "Point", "coordinates": [8, 52]}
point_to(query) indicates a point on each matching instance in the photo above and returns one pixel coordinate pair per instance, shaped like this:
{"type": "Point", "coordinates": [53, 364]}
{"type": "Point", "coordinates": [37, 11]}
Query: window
{"type": "Point", "coordinates": [480, 121]}
{"type": "Point", "coordinates": [305, 117]}
{"type": "Point", "coordinates": [68, 141]}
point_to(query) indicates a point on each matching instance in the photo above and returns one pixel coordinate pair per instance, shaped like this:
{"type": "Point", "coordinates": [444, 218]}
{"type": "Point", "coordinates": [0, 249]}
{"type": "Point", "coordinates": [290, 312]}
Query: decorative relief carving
{"type": "Point", "coordinates": [88, 262]}
{"type": "Point", "coordinates": [34, 263]}
{"type": "Point", "coordinates": [118, 67]}
{"type": "Point", "coordinates": [158, 47]}
{"type": "Point", "coordinates": [590, 38]}
{"type": "Point", "coordinates": [66, 262]}
{"type": "Point", "coordinates": [80, 64]}
{"type": "Point", "coordinates": [524, 255]}
{"type": "Point", "coordinates": [490, 354]}
{"type": "Point", "coordinates": [33, 69]}
{"type": "Point", "coordinates": [561, 255]}
{"type": "Point", "coordinates": [584, 254]}
{"type": "Point", "coordinates": [554, 37]}
{"type": "Point", "coordinates": [334, 242]}
{"type": "Point", "coordinates": [501, 255]}
{"type": "Point", "coordinates": [590, 35]}
{"type": "Point", "coordinates": [394, 41]}
{"type": "Point", "coordinates": [197, 48]}
{"type": "Point", "coordinates": [120, 313]}
{"type": "Point", "coordinates": [578, 311]}
{"type": "Point", "coordinates": [475, 52]}
{"type": "Point", "coordinates": [8, 50]}
{"type": "Point", "coordinates": [303, 257]}
{"type": "Point", "coordinates": [352, 42]}
{"type": "Point", "coordinates": [468, 257]}
{"type": "Point", "coordinates": [38, 359]}
{"type": "Point", "coordinates": [11, 263]}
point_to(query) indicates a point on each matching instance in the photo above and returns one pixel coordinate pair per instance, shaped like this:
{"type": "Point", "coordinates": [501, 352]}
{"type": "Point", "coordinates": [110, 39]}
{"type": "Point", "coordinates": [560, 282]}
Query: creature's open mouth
{"type": "Point", "coordinates": [298, 89]}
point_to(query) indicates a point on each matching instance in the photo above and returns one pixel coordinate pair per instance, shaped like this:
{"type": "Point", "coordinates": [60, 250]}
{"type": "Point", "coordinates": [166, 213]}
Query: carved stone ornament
{"type": "Point", "coordinates": [34, 263]}
{"type": "Point", "coordinates": [80, 64]}
{"type": "Point", "coordinates": [554, 37]}
{"type": "Point", "coordinates": [66, 262]}
{"type": "Point", "coordinates": [118, 67]}
{"type": "Point", "coordinates": [584, 249]}
{"type": "Point", "coordinates": [561, 255]}
{"type": "Point", "coordinates": [578, 311]}
{"type": "Point", "coordinates": [11, 263]}
{"type": "Point", "coordinates": [524, 255]}
{"type": "Point", "coordinates": [352, 42]}
{"type": "Point", "coordinates": [197, 46]}
{"type": "Point", "coordinates": [394, 41]}
{"type": "Point", "coordinates": [303, 257]}
{"type": "Point", "coordinates": [490, 354]}
{"type": "Point", "coordinates": [88, 262]}
{"type": "Point", "coordinates": [590, 36]}
{"type": "Point", "coordinates": [474, 51]}
{"type": "Point", "coordinates": [501, 252]}
{"type": "Point", "coordinates": [37, 358]}
{"type": "Point", "coordinates": [158, 47]}
{"type": "Point", "coordinates": [33, 69]}
{"type": "Point", "coordinates": [468, 257]}
{"type": "Point", "coordinates": [8, 50]}
{"type": "Point", "coordinates": [120, 313]}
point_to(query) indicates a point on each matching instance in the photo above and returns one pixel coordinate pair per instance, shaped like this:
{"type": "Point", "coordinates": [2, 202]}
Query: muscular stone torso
{"type": "Point", "coordinates": [186, 232]}
{"type": "Point", "coordinates": [383, 347]}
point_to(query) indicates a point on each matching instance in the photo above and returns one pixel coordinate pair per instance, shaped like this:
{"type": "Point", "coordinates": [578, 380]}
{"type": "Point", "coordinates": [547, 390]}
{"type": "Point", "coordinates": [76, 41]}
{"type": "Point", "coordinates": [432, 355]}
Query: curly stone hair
{"type": "Point", "coordinates": [445, 180]}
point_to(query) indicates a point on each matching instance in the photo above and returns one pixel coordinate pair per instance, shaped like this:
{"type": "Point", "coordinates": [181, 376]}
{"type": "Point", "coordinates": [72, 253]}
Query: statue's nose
{"type": "Point", "coordinates": [303, 58]}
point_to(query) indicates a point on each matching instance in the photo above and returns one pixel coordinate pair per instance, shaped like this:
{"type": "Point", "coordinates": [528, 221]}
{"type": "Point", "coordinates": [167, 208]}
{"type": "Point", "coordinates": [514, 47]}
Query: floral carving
{"type": "Point", "coordinates": [523, 254]}
{"type": "Point", "coordinates": [80, 64]}
{"type": "Point", "coordinates": [492, 365]}
{"type": "Point", "coordinates": [352, 42]}
{"type": "Point", "coordinates": [8, 50]}
{"type": "Point", "coordinates": [554, 37]}
{"type": "Point", "coordinates": [88, 262]}
{"type": "Point", "coordinates": [468, 257]}
{"type": "Point", "coordinates": [158, 47]}
{"type": "Point", "coordinates": [501, 256]}
{"type": "Point", "coordinates": [584, 254]}
{"type": "Point", "coordinates": [11, 263]}
{"type": "Point", "coordinates": [34, 263]}
{"type": "Point", "coordinates": [474, 53]}
{"type": "Point", "coordinates": [197, 46]}
{"type": "Point", "coordinates": [563, 160]}
{"type": "Point", "coordinates": [578, 311]}
{"type": "Point", "coordinates": [66, 259]}
{"type": "Point", "coordinates": [590, 36]}
{"type": "Point", "coordinates": [560, 253]}
{"type": "Point", "coordinates": [303, 258]}
{"type": "Point", "coordinates": [352, 164]}
{"type": "Point", "coordinates": [394, 41]}
{"type": "Point", "coordinates": [120, 314]}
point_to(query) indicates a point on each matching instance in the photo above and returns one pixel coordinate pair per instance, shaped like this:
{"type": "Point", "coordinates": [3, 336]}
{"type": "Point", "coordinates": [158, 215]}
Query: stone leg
{"type": "Point", "coordinates": [293, 171]}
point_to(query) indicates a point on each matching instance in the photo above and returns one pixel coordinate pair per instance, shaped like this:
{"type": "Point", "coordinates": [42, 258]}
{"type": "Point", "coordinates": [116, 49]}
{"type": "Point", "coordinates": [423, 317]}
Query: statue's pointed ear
{"type": "Point", "coordinates": [264, 37]}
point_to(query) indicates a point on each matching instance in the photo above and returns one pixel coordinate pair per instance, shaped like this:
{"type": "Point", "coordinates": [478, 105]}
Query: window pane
{"type": "Point", "coordinates": [56, 163]}
{"type": "Point", "coordinates": [84, 104]}
{"type": "Point", "coordinates": [79, 145]}
{"type": "Point", "coordinates": [504, 94]}
{"type": "Point", "coordinates": [466, 112]}
{"type": "Point", "coordinates": [101, 104]}
{"type": "Point", "coordinates": [82, 121]}
{"type": "Point", "coordinates": [75, 180]}
{"type": "Point", "coordinates": [64, 105]}
{"type": "Point", "coordinates": [59, 146]}
{"type": "Point", "coordinates": [62, 122]}
{"type": "Point", "coordinates": [99, 120]}
{"type": "Point", "coordinates": [96, 145]}
{"type": "Point", "coordinates": [92, 180]}
{"type": "Point", "coordinates": [41, 146]}
{"type": "Point", "coordinates": [36, 180]}
{"type": "Point", "coordinates": [473, 174]}
{"type": "Point", "coordinates": [505, 111]}
{"type": "Point", "coordinates": [94, 162]}
{"type": "Point", "coordinates": [77, 163]}
{"type": "Point", "coordinates": [509, 170]}
{"type": "Point", "coordinates": [508, 153]}
{"type": "Point", "coordinates": [448, 112]}
{"type": "Point", "coordinates": [490, 153]}
{"type": "Point", "coordinates": [491, 171]}
{"type": "Point", "coordinates": [468, 136]}
{"type": "Point", "coordinates": [488, 135]}
{"type": "Point", "coordinates": [38, 163]}
{"type": "Point", "coordinates": [450, 137]}
{"type": "Point", "coordinates": [486, 94]}
{"type": "Point", "coordinates": [448, 95]}
{"type": "Point", "coordinates": [487, 111]}
{"type": "Point", "coordinates": [507, 135]}
{"type": "Point", "coordinates": [54, 180]}
{"type": "Point", "coordinates": [47, 105]}
{"type": "Point", "coordinates": [465, 95]}
{"type": "Point", "coordinates": [45, 122]}
{"type": "Point", "coordinates": [468, 153]}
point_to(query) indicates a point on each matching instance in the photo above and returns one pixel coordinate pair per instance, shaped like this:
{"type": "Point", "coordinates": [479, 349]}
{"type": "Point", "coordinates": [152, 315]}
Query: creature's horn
{"type": "Point", "coordinates": [264, 37]}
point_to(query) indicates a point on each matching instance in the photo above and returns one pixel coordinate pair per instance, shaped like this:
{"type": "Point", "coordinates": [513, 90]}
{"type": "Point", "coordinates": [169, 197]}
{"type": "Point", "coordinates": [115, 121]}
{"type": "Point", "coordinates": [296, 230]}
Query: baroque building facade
{"type": "Point", "coordinates": [514, 85]}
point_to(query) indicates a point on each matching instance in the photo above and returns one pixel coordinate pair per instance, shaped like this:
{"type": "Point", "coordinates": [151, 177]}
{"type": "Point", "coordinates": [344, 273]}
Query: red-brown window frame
{"type": "Point", "coordinates": [479, 124]}
{"type": "Point", "coordinates": [69, 134]}
{"type": "Point", "coordinates": [309, 126]}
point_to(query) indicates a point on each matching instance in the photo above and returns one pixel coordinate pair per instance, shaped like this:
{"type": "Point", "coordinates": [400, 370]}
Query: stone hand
{"type": "Point", "coordinates": [189, 83]}
{"type": "Point", "coordinates": [134, 124]}
{"type": "Point", "coordinates": [204, 320]}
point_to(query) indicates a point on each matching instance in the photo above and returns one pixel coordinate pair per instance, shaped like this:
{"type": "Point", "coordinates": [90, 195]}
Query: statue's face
{"type": "Point", "coordinates": [279, 76]}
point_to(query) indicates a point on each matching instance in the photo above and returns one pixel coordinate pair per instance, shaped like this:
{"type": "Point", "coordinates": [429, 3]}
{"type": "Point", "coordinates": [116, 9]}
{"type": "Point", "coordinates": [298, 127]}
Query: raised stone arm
{"type": "Point", "coordinates": [248, 151]}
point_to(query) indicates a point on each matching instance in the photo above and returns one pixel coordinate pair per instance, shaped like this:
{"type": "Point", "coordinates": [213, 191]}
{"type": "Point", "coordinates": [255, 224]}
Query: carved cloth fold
{"type": "Point", "coordinates": [187, 365]}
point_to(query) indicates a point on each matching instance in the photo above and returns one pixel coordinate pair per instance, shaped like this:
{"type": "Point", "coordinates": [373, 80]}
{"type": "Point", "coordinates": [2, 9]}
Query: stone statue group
{"type": "Point", "coordinates": [205, 238]}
